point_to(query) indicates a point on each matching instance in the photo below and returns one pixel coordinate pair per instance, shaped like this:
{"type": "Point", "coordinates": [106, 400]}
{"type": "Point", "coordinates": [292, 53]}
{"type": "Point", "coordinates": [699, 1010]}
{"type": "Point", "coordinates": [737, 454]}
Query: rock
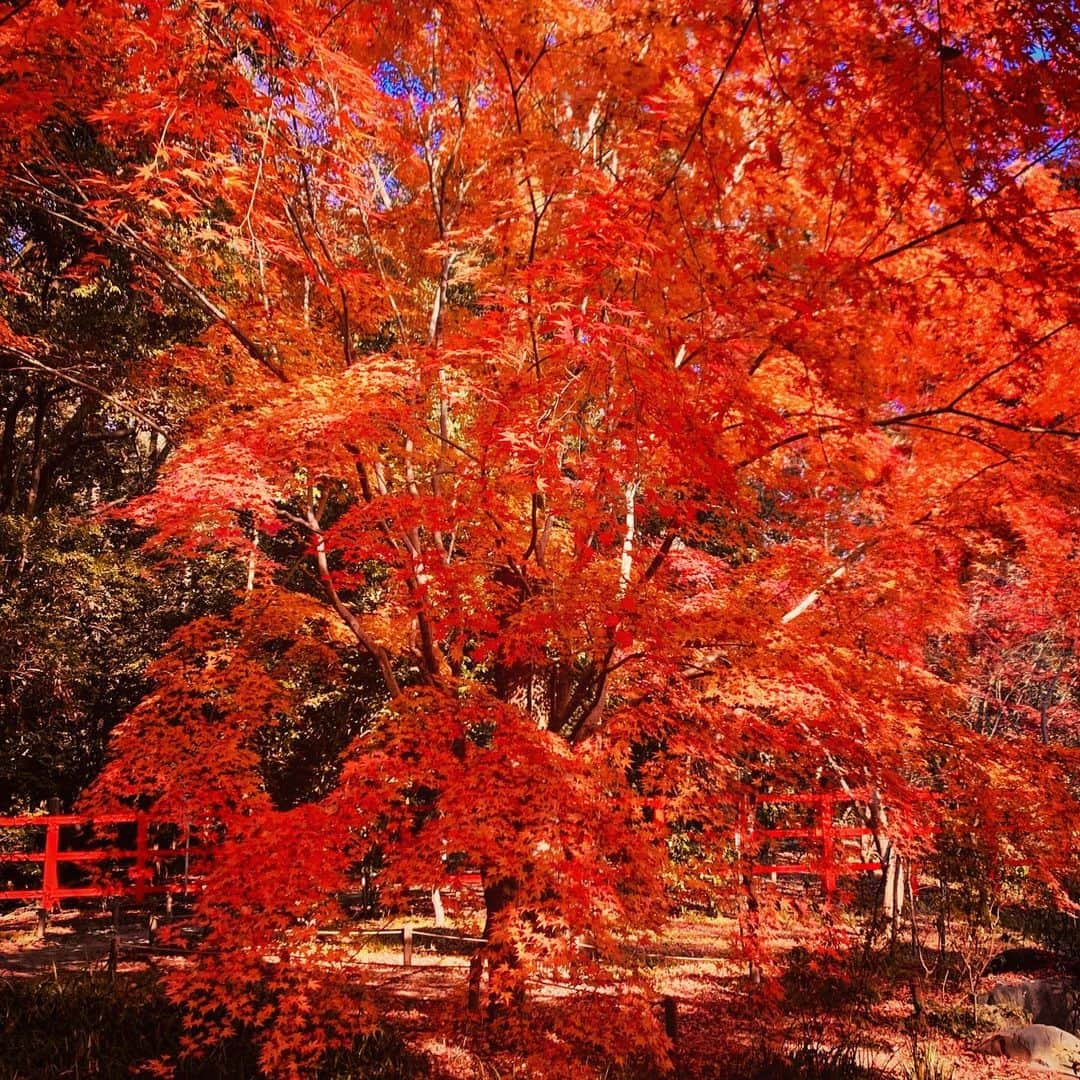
{"type": "Point", "coordinates": [1036, 1044]}
{"type": "Point", "coordinates": [1042, 1000]}
{"type": "Point", "coordinates": [1020, 960]}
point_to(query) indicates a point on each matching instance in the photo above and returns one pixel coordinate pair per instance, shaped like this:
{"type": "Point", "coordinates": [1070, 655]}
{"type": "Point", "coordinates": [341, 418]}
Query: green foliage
{"type": "Point", "coordinates": [82, 611]}
{"type": "Point", "coordinates": [957, 1020]}
{"type": "Point", "coordinates": [301, 759]}
{"type": "Point", "coordinates": [80, 623]}
{"type": "Point", "coordinates": [1055, 928]}
{"type": "Point", "coordinates": [84, 297]}
{"type": "Point", "coordinates": [88, 1026]}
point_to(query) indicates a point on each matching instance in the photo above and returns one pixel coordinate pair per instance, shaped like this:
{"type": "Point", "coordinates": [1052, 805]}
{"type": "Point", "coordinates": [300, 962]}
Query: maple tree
{"type": "Point", "coordinates": [632, 388]}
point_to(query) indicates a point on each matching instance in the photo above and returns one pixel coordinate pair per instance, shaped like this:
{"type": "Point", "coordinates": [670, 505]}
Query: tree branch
{"type": "Point", "coordinates": [15, 11]}
{"type": "Point", "coordinates": [34, 364]}
{"type": "Point", "coordinates": [376, 651]}
{"type": "Point", "coordinates": [125, 237]}
{"type": "Point", "coordinates": [696, 127]}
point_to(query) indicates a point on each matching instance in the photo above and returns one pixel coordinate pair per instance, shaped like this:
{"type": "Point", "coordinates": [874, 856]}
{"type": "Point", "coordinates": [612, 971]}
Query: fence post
{"type": "Point", "coordinates": [50, 878]}
{"type": "Point", "coordinates": [114, 957]}
{"type": "Point", "coordinates": [187, 856]}
{"type": "Point", "coordinates": [406, 945]}
{"type": "Point", "coordinates": [826, 822]}
{"type": "Point", "coordinates": [671, 1026]}
{"type": "Point", "coordinates": [671, 1018]}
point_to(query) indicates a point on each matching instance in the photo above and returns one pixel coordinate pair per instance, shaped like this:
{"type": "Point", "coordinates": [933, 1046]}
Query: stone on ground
{"type": "Point", "coordinates": [1037, 1044]}
{"type": "Point", "coordinates": [1043, 1001]}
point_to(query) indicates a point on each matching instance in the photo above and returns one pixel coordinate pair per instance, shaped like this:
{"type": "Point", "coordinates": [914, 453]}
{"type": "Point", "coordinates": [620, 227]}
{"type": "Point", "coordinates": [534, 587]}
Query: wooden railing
{"type": "Point", "coordinates": [823, 834]}
{"type": "Point", "coordinates": [138, 879]}
{"type": "Point", "coordinates": [821, 854]}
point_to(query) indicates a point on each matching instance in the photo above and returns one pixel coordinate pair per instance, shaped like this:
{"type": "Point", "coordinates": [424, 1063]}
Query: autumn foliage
{"type": "Point", "coordinates": [651, 400]}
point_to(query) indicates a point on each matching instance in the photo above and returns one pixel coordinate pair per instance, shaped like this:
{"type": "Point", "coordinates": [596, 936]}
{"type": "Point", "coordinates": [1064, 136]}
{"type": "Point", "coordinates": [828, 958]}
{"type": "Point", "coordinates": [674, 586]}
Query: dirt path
{"type": "Point", "coordinates": [74, 942]}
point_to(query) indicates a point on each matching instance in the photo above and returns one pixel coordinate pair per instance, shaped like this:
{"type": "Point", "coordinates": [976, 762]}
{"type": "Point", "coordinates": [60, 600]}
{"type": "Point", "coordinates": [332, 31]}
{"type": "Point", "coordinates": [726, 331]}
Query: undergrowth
{"type": "Point", "coordinates": [90, 1026]}
{"type": "Point", "coordinates": [808, 1062]}
{"type": "Point", "coordinates": [927, 1064]}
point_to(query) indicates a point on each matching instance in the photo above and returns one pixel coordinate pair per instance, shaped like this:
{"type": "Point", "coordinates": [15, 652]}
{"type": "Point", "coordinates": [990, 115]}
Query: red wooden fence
{"type": "Point", "coordinates": [137, 880]}
{"type": "Point", "coordinates": [823, 846]}
{"type": "Point", "coordinates": [821, 855]}
{"type": "Point", "coordinates": [823, 834]}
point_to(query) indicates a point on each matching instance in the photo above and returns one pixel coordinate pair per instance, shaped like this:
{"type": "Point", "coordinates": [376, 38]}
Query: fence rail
{"type": "Point", "coordinates": [822, 855]}
{"type": "Point", "coordinates": [138, 880]}
{"type": "Point", "coordinates": [822, 834]}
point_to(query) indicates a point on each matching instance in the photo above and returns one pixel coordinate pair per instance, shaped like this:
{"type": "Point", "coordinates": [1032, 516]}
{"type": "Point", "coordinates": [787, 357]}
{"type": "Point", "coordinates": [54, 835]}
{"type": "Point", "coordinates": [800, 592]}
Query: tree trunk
{"type": "Point", "coordinates": [506, 984]}
{"type": "Point", "coordinates": [530, 688]}
{"type": "Point", "coordinates": [8, 458]}
{"type": "Point", "coordinates": [892, 868]}
{"type": "Point", "coordinates": [894, 893]}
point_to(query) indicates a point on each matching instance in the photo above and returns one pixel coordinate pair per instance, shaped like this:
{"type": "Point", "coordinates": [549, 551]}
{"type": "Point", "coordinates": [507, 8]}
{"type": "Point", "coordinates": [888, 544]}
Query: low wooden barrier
{"type": "Point", "coordinates": [823, 834]}
{"type": "Point", "coordinates": [138, 880]}
{"type": "Point", "coordinates": [822, 855]}
{"type": "Point", "coordinates": [823, 840]}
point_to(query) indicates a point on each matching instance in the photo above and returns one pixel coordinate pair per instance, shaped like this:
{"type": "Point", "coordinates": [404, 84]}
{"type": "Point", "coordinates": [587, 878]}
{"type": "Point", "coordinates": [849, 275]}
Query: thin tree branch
{"type": "Point", "coordinates": [15, 11]}
{"type": "Point", "coordinates": [697, 126]}
{"type": "Point", "coordinates": [1008, 363]}
{"type": "Point", "coordinates": [35, 364]}
{"type": "Point", "coordinates": [125, 237]}
{"type": "Point", "coordinates": [924, 238]}
{"type": "Point", "coordinates": [376, 651]}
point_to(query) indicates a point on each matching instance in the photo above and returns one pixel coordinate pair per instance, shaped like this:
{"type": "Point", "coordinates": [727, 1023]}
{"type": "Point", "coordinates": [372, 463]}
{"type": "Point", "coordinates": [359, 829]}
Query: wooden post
{"type": "Point", "coordinates": [187, 856]}
{"type": "Point", "coordinates": [826, 820]}
{"type": "Point", "coordinates": [50, 878]}
{"type": "Point", "coordinates": [42, 921]}
{"type": "Point", "coordinates": [406, 945]}
{"type": "Point", "coordinates": [670, 1008]}
{"type": "Point", "coordinates": [476, 972]}
{"type": "Point", "coordinates": [671, 1018]}
{"type": "Point", "coordinates": [942, 918]}
{"type": "Point", "coordinates": [897, 895]}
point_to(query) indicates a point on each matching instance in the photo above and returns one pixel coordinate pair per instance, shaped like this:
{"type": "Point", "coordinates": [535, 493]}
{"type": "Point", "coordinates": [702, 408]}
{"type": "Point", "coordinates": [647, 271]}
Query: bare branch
{"type": "Point", "coordinates": [35, 364]}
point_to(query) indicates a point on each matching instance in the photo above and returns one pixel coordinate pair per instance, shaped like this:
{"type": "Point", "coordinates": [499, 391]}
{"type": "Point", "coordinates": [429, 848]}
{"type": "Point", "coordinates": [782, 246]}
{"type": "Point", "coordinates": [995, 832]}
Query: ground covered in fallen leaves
{"type": "Point", "coordinates": [823, 1000]}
